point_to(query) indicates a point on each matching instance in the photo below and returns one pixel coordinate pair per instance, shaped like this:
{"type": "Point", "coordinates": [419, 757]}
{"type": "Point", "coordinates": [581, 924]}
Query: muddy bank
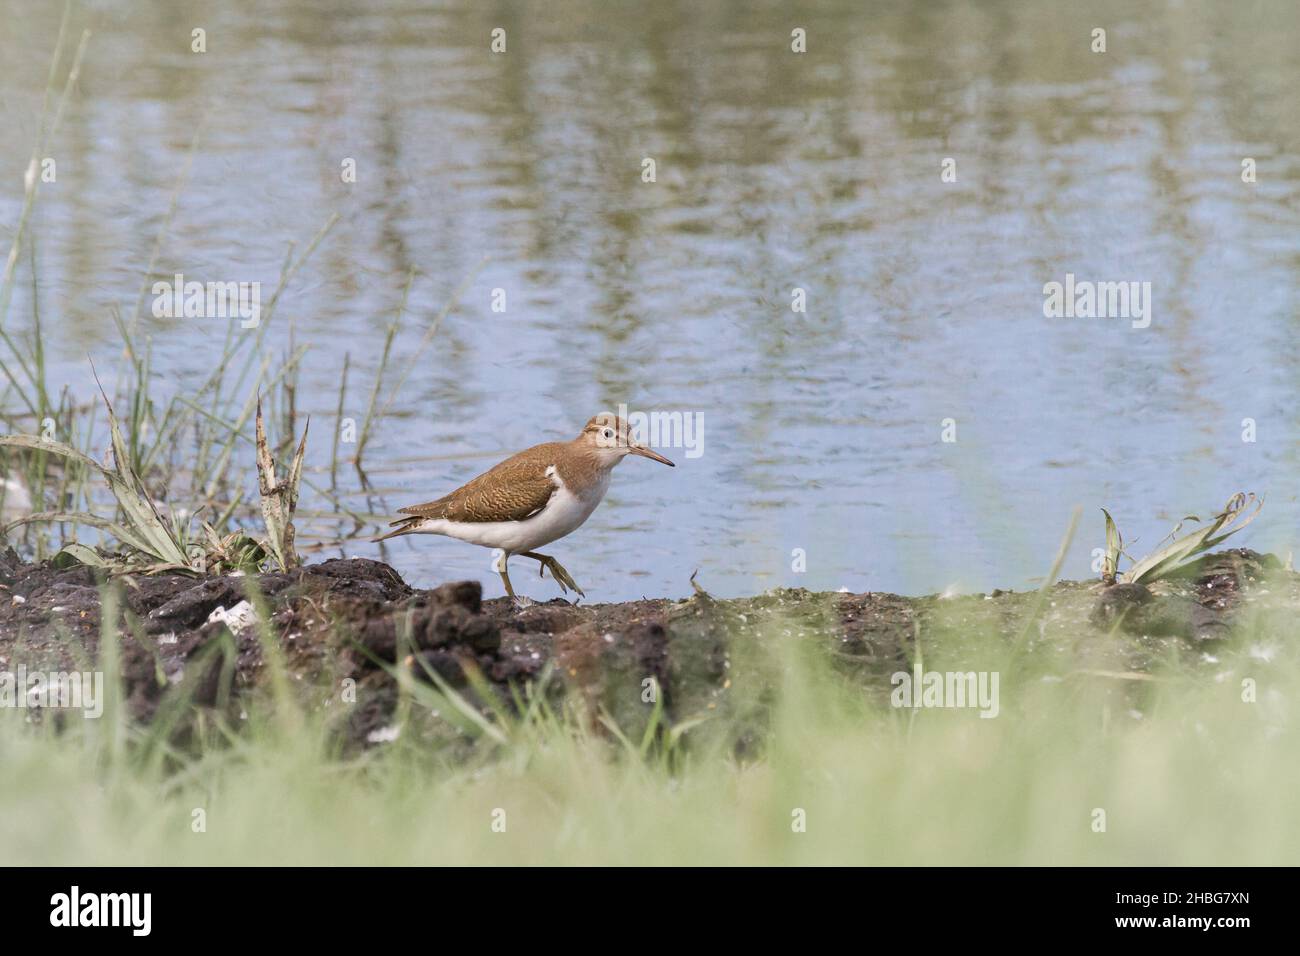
{"type": "Point", "coordinates": [339, 622]}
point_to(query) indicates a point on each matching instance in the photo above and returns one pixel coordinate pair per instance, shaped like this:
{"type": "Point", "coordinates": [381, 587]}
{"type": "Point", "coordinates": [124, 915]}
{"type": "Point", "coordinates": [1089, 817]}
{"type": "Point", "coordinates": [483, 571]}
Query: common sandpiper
{"type": "Point", "coordinates": [532, 498]}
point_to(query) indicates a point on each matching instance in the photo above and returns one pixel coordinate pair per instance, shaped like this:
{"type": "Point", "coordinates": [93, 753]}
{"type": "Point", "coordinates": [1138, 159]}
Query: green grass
{"type": "Point", "coordinates": [1197, 777]}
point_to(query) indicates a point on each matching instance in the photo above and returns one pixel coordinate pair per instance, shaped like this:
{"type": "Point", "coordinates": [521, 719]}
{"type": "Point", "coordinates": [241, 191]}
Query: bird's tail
{"type": "Point", "coordinates": [400, 526]}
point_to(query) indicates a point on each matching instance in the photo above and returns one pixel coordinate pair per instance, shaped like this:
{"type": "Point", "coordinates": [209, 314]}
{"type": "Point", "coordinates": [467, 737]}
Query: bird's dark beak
{"type": "Point", "coordinates": [652, 455]}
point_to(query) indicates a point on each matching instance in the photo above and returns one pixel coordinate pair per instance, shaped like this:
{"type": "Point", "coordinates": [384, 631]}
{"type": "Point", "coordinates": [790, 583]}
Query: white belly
{"type": "Point", "coordinates": [564, 513]}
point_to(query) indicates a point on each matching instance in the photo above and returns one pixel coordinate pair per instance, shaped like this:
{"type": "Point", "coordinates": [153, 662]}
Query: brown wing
{"type": "Point", "coordinates": [516, 489]}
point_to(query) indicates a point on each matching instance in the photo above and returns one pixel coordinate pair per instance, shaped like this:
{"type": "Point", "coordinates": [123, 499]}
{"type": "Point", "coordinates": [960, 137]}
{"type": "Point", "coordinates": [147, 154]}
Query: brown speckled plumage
{"type": "Point", "coordinates": [515, 489]}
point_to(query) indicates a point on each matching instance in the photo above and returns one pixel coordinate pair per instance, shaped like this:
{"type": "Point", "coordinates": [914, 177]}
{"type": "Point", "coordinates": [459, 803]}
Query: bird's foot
{"type": "Point", "coordinates": [562, 577]}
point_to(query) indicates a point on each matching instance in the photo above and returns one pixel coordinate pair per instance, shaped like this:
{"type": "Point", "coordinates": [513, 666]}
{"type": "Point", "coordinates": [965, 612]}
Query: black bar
{"type": "Point", "coordinates": [332, 906]}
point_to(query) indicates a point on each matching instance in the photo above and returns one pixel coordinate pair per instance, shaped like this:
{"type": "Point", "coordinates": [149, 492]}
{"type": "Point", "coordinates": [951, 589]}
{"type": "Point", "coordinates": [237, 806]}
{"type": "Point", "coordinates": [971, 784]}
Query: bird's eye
{"type": "Point", "coordinates": [609, 433]}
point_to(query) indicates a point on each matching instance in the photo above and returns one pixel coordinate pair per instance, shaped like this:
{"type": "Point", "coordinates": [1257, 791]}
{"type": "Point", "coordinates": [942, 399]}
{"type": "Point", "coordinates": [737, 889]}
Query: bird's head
{"type": "Point", "coordinates": [610, 438]}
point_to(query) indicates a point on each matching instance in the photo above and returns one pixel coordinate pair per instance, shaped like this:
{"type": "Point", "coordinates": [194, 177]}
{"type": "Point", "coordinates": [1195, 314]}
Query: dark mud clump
{"type": "Point", "coordinates": [343, 627]}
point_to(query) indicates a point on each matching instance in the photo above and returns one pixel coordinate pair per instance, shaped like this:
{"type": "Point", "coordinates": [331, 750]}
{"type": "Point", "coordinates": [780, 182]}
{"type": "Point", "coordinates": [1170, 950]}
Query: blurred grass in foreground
{"type": "Point", "coordinates": [1191, 775]}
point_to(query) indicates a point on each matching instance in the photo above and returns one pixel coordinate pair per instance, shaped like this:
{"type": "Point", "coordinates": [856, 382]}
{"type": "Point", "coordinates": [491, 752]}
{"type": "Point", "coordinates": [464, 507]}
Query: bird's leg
{"type": "Point", "coordinates": [562, 577]}
{"type": "Point", "coordinates": [520, 602]}
{"type": "Point", "coordinates": [505, 575]}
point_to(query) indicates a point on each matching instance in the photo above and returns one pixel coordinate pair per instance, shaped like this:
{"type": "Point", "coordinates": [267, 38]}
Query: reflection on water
{"type": "Point", "coordinates": [523, 172]}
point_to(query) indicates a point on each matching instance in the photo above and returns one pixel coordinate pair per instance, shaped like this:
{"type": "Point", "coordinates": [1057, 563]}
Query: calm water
{"type": "Point", "coordinates": [822, 430]}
